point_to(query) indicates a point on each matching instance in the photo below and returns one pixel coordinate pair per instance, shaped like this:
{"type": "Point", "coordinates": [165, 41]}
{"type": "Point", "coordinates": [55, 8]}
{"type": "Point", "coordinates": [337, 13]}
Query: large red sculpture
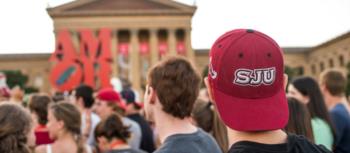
{"type": "Point", "coordinates": [91, 66]}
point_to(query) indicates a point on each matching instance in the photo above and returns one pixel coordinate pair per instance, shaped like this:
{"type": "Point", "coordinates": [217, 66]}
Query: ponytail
{"type": "Point", "coordinates": [80, 143]}
{"type": "Point", "coordinates": [211, 123]}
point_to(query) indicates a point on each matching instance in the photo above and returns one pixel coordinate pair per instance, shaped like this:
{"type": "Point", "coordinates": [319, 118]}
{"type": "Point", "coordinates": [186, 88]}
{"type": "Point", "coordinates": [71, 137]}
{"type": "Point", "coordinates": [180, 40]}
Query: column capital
{"type": "Point", "coordinates": [134, 31]}
{"type": "Point", "coordinates": [172, 29]}
{"type": "Point", "coordinates": [153, 30]}
{"type": "Point", "coordinates": [187, 29]}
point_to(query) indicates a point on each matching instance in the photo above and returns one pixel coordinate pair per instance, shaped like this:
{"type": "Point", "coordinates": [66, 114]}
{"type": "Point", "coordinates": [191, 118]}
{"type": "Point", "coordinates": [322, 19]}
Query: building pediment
{"type": "Point", "coordinates": [121, 8]}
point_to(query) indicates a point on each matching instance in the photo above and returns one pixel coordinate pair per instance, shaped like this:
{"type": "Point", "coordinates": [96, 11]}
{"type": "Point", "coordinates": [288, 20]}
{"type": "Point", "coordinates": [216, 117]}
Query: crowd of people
{"type": "Point", "coordinates": [247, 106]}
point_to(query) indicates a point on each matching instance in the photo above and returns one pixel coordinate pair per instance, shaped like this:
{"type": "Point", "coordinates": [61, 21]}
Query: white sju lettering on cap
{"type": "Point", "coordinates": [212, 72]}
{"type": "Point", "coordinates": [255, 77]}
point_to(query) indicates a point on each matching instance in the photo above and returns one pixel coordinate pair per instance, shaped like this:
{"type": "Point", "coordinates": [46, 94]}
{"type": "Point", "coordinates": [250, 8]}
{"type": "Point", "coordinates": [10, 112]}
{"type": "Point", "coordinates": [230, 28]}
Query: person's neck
{"type": "Point", "coordinates": [332, 101]}
{"type": "Point", "coordinates": [64, 137]}
{"type": "Point", "coordinates": [117, 144]}
{"type": "Point", "coordinates": [265, 137]}
{"type": "Point", "coordinates": [82, 109]}
{"type": "Point", "coordinates": [132, 112]}
{"type": "Point", "coordinates": [168, 125]}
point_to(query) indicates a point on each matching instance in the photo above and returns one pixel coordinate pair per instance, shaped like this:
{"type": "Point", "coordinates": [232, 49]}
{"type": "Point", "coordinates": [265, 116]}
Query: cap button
{"type": "Point", "coordinates": [250, 31]}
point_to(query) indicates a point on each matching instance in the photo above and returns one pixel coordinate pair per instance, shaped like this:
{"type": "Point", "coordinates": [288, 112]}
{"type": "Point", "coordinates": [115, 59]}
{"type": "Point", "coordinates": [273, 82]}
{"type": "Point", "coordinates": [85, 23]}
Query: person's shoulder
{"type": "Point", "coordinates": [139, 151]}
{"type": "Point", "coordinates": [40, 149]}
{"type": "Point", "coordinates": [127, 151]}
{"type": "Point", "coordinates": [166, 150]}
{"type": "Point", "coordinates": [339, 114]}
{"type": "Point", "coordinates": [206, 136]}
{"type": "Point", "coordinates": [244, 147]}
{"type": "Point", "coordinates": [195, 142]}
{"type": "Point", "coordinates": [299, 142]}
{"type": "Point", "coordinates": [129, 121]}
{"type": "Point", "coordinates": [172, 145]}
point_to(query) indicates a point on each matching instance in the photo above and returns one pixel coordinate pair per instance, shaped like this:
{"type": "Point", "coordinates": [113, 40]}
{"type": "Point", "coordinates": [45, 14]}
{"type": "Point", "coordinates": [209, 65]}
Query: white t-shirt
{"type": "Point", "coordinates": [94, 121]}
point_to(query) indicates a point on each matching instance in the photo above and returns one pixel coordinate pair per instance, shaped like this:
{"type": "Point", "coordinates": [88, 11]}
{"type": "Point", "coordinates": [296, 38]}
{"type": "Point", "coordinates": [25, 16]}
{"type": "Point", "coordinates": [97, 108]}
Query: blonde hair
{"type": "Point", "coordinates": [70, 115]}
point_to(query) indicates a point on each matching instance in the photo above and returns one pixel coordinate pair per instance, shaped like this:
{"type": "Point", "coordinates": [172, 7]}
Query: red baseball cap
{"type": "Point", "coordinates": [109, 95]}
{"type": "Point", "coordinates": [246, 78]}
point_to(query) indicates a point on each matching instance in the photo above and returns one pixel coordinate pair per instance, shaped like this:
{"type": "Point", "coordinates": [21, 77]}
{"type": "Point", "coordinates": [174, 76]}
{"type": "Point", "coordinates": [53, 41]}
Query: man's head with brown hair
{"type": "Point", "coordinates": [333, 82]}
{"type": "Point", "coordinates": [174, 84]}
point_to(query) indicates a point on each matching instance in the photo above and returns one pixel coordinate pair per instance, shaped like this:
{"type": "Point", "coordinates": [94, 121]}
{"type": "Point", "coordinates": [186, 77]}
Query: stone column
{"type": "Point", "coordinates": [114, 54]}
{"type": "Point", "coordinates": [154, 51]}
{"type": "Point", "coordinates": [188, 45]}
{"type": "Point", "coordinates": [171, 42]}
{"type": "Point", "coordinates": [134, 56]}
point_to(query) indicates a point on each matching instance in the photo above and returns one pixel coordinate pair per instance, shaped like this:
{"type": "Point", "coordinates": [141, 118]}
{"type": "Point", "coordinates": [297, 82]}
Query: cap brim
{"type": "Point", "coordinates": [253, 114]}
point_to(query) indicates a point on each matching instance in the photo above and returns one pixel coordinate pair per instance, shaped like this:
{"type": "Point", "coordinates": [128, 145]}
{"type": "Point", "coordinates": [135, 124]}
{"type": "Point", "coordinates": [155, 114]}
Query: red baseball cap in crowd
{"type": "Point", "coordinates": [246, 79]}
{"type": "Point", "coordinates": [111, 96]}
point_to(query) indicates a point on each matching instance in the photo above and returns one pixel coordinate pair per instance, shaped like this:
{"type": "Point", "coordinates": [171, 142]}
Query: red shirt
{"type": "Point", "coordinates": [42, 135]}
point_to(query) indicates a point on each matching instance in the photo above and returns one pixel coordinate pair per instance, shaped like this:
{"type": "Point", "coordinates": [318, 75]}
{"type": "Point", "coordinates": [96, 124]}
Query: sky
{"type": "Point", "coordinates": [27, 28]}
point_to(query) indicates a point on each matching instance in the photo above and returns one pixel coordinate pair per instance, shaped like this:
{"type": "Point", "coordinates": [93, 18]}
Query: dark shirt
{"type": "Point", "coordinates": [126, 151]}
{"type": "Point", "coordinates": [147, 141]}
{"type": "Point", "coordinates": [197, 142]}
{"type": "Point", "coordinates": [341, 120]}
{"type": "Point", "coordinates": [295, 144]}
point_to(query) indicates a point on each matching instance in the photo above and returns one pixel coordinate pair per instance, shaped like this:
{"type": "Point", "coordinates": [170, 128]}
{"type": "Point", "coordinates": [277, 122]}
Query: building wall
{"type": "Point", "coordinates": [337, 53]}
{"type": "Point", "coordinates": [201, 61]}
{"type": "Point", "coordinates": [37, 69]}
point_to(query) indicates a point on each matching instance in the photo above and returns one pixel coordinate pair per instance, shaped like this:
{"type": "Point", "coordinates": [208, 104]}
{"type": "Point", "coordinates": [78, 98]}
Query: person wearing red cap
{"type": "Point", "coordinates": [173, 87]}
{"type": "Point", "coordinates": [108, 102]}
{"type": "Point", "coordinates": [246, 82]}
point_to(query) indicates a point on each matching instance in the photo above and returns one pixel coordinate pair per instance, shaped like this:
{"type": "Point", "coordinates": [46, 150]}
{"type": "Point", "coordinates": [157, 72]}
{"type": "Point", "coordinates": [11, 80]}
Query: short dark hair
{"type": "Point", "coordinates": [335, 82]}
{"type": "Point", "coordinates": [176, 83]}
{"type": "Point", "coordinates": [112, 127]}
{"type": "Point", "coordinates": [38, 104]}
{"type": "Point", "coordinates": [85, 92]}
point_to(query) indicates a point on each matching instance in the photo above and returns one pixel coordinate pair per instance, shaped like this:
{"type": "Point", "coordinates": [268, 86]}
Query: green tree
{"type": "Point", "coordinates": [15, 77]}
{"type": "Point", "coordinates": [291, 72]}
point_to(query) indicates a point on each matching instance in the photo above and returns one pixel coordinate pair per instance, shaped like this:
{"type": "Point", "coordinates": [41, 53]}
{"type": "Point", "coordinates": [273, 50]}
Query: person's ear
{"type": "Point", "coordinates": [152, 95]}
{"type": "Point", "coordinates": [323, 88]}
{"type": "Point", "coordinates": [210, 93]}
{"type": "Point", "coordinates": [307, 99]}
{"type": "Point", "coordinates": [80, 101]}
{"type": "Point", "coordinates": [61, 124]}
{"type": "Point", "coordinates": [101, 139]}
{"type": "Point", "coordinates": [285, 81]}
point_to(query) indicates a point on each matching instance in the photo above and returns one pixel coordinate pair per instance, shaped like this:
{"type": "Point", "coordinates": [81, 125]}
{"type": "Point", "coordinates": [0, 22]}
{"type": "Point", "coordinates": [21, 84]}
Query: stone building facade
{"type": "Point", "coordinates": [145, 31]}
